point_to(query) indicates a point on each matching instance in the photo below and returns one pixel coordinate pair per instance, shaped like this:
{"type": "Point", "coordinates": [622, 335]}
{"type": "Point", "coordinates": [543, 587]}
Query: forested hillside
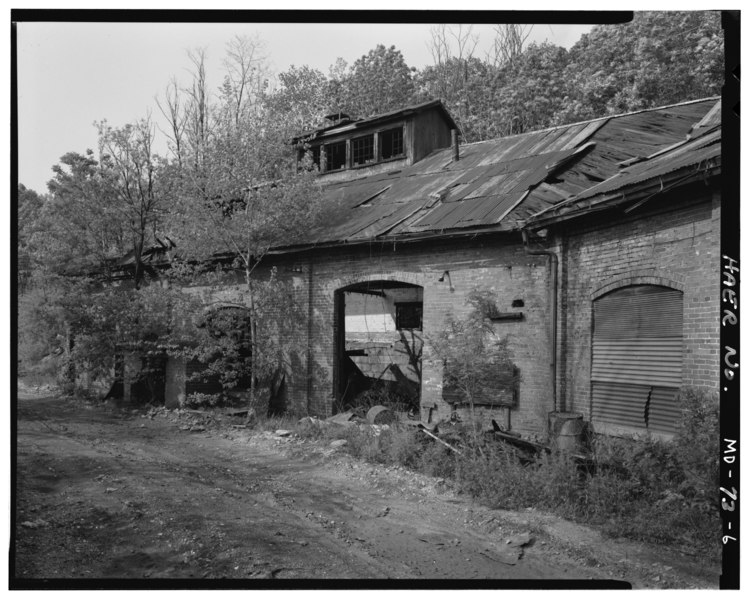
{"type": "Point", "coordinates": [659, 58]}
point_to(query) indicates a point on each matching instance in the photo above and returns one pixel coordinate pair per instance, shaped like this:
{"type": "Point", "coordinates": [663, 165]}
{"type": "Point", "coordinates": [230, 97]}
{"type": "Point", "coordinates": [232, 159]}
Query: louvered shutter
{"type": "Point", "coordinates": [637, 358]}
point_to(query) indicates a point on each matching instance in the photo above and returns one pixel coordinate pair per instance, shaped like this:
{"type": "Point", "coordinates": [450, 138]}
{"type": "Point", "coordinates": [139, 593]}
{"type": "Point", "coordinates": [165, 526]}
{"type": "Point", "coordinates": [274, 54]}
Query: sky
{"type": "Point", "coordinates": [73, 74]}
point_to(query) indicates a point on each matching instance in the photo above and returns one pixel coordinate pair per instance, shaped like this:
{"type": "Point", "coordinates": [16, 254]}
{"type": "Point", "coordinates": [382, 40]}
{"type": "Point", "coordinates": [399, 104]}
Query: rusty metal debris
{"type": "Point", "coordinates": [435, 437]}
{"type": "Point", "coordinates": [380, 415]}
{"type": "Point", "coordinates": [342, 418]}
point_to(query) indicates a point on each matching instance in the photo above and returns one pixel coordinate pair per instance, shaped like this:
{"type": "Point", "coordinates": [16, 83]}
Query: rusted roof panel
{"type": "Point", "coordinates": [712, 119]}
{"type": "Point", "coordinates": [695, 157]}
{"type": "Point", "coordinates": [617, 139]}
{"type": "Point", "coordinates": [694, 153]}
{"type": "Point", "coordinates": [488, 185]}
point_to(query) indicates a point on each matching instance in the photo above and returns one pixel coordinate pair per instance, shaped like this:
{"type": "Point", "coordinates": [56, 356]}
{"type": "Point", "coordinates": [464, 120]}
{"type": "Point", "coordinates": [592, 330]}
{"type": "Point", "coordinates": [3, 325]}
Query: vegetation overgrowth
{"type": "Point", "coordinates": [642, 489]}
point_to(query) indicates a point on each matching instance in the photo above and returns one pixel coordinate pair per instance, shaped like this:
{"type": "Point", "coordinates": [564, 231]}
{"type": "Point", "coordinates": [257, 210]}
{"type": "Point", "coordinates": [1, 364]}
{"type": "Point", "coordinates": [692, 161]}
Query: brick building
{"type": "Point", "coordinates": [570, 228]}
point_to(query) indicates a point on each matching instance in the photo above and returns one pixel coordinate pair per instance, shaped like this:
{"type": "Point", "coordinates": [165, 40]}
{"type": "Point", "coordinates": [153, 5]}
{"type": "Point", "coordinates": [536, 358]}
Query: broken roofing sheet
{"type": "Point", "coordinates": [698, 155]}
{"type": "Point", "coordinates": [500, 183]}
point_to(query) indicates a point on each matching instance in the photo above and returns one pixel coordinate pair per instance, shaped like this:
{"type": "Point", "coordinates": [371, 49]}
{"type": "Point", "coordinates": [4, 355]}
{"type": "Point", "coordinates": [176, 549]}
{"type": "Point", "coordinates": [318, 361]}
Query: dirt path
{"type": "Point", "coordinates": [109, 493]}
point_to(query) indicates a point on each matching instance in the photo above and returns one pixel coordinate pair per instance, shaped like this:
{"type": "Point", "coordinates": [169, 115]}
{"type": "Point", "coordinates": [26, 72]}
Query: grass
{"type": "Point", "coordinates": [640, 489]}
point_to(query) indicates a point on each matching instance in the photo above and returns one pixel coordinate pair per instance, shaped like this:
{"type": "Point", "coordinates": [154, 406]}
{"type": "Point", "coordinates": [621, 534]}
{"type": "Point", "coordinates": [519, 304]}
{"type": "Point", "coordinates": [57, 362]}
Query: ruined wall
{"type": "Point", "coordinates": [174, 386]}
{"type": "Point", "coordinates": [505, 267]}
{"type": "Point", "coordinates": [678, 249]}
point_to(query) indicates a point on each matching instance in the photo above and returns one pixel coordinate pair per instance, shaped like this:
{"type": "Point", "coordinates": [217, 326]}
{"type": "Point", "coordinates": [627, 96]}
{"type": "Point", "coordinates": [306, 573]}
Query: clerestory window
{"type": "Point", "coordinates": [336, 156]}
{"type": "Point", "coordinates": [363, 150]}
{"type": "Point", "coordinates": [391, 143]}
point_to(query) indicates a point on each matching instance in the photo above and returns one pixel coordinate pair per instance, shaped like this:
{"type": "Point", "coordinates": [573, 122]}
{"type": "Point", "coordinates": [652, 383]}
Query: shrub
{"type": "Point", "coordinates": [199, 400]}
{"type": "Point", "coordinates": [642, 488]}
{"type": "Point", "coordinates": [697, 443]}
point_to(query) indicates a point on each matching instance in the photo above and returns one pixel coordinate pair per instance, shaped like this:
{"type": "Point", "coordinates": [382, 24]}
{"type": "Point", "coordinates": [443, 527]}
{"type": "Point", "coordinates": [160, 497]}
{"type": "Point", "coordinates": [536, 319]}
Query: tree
{"type": "Point", "coordinates": [659, 58]}
{"type": "Point", "coordinates": [466, 84]}
{"type": "Point", "coordinates": [29, 205]}
{"type": "Point", "coordinates": [101, 210]}
{"type": "Point", "coordinates": [303, 99]}
{"type": "Point", "coordinates": [532, 89]}
{"type": "Point", "coordinates": [508, 43]}
{"type": "Point", "coordinates": [129, 170]}
{"type": "Point", "coordinates": [476, 361]}
{"type": "Point", "coordinates": [377, 82]}
{"type": "Point", "coordinates": [466, 87]}
{"type": "Point", "coordinates": [243, 198]}
{"type": "Point", "coordinates": [78, 230]}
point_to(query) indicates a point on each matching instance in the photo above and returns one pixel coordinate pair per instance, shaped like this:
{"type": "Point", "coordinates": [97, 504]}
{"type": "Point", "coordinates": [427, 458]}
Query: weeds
{"type": "Point", "coordinates": [642, 489]}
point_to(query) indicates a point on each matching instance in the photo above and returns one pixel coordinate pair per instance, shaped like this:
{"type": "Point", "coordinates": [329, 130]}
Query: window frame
{"type": "Point", "coordinates": [398, 317]}
{"type": "Point", "coordinates": [331, 145]}
{"type": "Point", "coordinates": [380, 133]}
{"type": "Point", "coordinates": [374, 136]}
{"type": "Point", "coordinates": [363, 139]}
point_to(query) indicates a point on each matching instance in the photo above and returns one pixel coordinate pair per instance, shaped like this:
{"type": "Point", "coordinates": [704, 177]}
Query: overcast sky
{"type": "Point", "coordinates": [72, 74]}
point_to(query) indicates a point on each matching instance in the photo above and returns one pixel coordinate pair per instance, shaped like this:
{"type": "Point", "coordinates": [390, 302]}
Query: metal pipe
{"type": "Point", "coordinates": [309, 349]}
{"type": "Point", "coordinates": [553, 294]}
{"type": "Point", "coordinates": [455, 144]}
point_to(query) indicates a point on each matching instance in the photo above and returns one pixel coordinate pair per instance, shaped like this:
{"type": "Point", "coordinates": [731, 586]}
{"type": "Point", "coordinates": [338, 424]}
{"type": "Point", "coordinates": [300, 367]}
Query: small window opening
{"type": "Point", "coordinates": [392, 143]}
{"type": "Point", "coordinates": [336, 156]}
{"type": "Point", "coordinates": [409, 315]}
{"type": "Point", "coordinates": [362, 150]}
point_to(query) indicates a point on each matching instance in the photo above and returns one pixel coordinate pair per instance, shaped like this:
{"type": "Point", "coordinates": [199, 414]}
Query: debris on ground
{"type": "Point", "coordinates": [521, 539]}
{"type": "Point", "coordinates": [334, 518]}
{"type": "Point", "coordinates": [380, 415]}
{"type": "Point", "coordinates": [376, 429]}
{"type": "Point", "coordinates": [342, 418]}
{"type": "Point", "coordinates": [282, 433]}
{"type": "Point", "coordinates": [435, 437]}
{"type": "Point", "coordinates": [36, 524]}
{"type": "Point", "coordinates": [510, 556]}
{"type": "Point", "coordinates": [239, 412]}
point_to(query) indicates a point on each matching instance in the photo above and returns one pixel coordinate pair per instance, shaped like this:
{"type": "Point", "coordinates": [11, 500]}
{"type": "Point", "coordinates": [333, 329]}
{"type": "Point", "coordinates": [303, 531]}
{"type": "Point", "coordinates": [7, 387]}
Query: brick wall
{"type": "Point", "coordinates": [504, 267]}
{"type": "Point", "coordinates": [678, 249]}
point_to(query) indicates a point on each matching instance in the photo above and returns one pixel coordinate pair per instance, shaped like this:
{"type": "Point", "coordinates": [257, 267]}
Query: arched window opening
{"type": "Point", "coordinates": [637, 358]}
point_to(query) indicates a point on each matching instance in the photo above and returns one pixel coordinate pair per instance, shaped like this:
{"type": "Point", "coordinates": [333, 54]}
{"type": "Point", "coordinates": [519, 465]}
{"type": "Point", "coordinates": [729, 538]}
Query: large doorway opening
{"type": "Point", "coordinates": [378, 346]}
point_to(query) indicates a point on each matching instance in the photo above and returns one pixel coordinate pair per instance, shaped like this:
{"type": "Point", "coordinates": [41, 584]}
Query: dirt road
{"type": "Point", "coordinates": [104, 492]}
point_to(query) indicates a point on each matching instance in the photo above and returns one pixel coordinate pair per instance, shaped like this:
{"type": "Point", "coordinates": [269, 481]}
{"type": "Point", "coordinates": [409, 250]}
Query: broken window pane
{"type": "Point", "coordinates": [408, 315]}
{"type": "Point", "coordinates": [336, 156]}
{"type": "Point", "coordinates": [392, 143]}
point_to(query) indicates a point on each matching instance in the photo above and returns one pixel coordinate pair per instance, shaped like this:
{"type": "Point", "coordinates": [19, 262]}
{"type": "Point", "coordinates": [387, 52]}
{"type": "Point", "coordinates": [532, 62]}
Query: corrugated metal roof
{"type": "Point", "coordinates": [698, 154]}
{"type": "Point", "coordinates": [500, 183]}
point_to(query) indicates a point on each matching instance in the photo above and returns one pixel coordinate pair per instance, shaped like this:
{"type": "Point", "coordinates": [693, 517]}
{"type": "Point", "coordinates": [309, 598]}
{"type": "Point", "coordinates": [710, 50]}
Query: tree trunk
{"type": "Point", "coordinates": [253, 354]}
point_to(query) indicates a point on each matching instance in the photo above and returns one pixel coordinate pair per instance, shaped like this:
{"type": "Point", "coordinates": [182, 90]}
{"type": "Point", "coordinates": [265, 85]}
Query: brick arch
{"type": "Point", "coordinates": [397, 276]}
{"type": "Point", "coordinates": [640, 277]}
{"type": "Point", "coordinates": [219, 304]}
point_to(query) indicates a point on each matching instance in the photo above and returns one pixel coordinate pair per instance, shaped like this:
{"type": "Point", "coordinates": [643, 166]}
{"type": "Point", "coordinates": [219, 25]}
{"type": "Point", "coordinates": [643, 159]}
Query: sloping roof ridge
{"type": "Point", "coordinates": [596, 119]}
{"type": "Point", "coordinates": [436, 102]}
